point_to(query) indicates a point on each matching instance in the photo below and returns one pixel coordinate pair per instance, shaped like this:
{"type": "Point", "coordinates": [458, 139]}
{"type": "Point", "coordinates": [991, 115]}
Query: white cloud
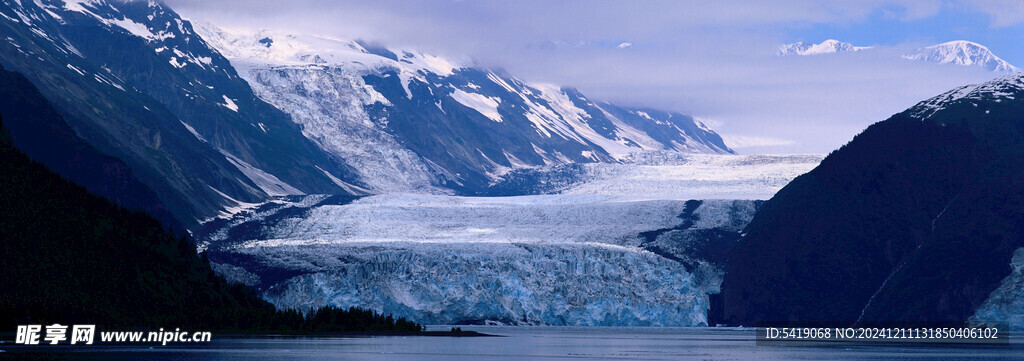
{"type": "Point", "coordinates": [742, 141]}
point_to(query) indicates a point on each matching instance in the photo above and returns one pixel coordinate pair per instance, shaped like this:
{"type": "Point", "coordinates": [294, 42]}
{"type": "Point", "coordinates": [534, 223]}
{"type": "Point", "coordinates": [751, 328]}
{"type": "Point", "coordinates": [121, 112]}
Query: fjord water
{"type": "Point", "coordinates": [523, 343]}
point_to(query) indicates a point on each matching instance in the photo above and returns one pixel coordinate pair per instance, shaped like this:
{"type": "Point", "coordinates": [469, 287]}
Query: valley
{"type": "Point", "coordinates": [290, 171]}
{"type": "Point", "coordinates": [566, 258]}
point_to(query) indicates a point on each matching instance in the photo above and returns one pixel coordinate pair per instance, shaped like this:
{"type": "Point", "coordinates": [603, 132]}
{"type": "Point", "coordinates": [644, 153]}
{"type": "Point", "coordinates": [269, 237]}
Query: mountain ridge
{"type": "Point", "coordinates": [408, 103]}
{"type": "Point", "coordinates": [962, 52]}
{"type": "Point", "coordinates": [956, 52]}
{"type": "Point", "coordinates": [829, 46]}
{"type": "Point", "coordinates": [133, 81]}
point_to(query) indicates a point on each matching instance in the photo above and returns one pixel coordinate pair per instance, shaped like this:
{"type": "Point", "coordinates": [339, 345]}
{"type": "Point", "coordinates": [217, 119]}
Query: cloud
{"type": "Point", "coordinates": [742, 141]}
{"type": "Point", "coordinates": [492, 29]}
{"type": "Point", "coordinates": [712, 59]}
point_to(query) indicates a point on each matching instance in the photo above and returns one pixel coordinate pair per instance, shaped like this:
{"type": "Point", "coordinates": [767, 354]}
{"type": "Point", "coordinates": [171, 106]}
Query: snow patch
{"type": "Point", "coordinates": [350, 188]}
{"type": "Point", "coordinates": [230, 104]}
{"type": "Point", "coordinates": [193, 131]}
{"type": "Point", "coordinates": [132, 27]}
{"type": "Point", "coordinates": [234, 206]}
{"type": "Point", "coordinates": [175, 63]}
{"type": "Point", "coordinates": [267, 182]}
{"type": "Point", "coordinates": [487, 106]}
{"type": "Point", "coordinates": [77, 70]}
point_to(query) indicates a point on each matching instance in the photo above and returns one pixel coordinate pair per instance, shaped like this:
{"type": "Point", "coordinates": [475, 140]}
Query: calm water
{"type": "Point", "coordinates": [534, 343]}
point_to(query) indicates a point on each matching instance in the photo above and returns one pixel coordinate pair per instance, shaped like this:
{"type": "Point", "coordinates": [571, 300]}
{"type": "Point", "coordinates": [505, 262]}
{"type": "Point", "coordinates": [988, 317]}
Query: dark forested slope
{"type": "Point", "coordinates": [916, 219]}
{"type": "Point", "coordinates": [76, 258]}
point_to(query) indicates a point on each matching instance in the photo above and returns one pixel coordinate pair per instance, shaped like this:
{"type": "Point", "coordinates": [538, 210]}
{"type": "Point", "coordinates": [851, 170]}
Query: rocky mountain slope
{"type": "Point", "coordinates": [134, 81]}
{"type": "Point", "coordinates": [409, 121]}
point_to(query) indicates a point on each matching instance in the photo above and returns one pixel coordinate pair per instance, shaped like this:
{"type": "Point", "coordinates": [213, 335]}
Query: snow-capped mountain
{"type": "Point", "coordinates": [961, 52]}
{"type": "Point", "coordinates": [409, 121]}
{"type": "Point", "coordinates": [829, 46]}
{"type": "Point", "coordinates": [133, 80]}
{"type": "Point", "coordinates": [136, 81]}
{"type": "Point", "coordinates": [1003, 89]}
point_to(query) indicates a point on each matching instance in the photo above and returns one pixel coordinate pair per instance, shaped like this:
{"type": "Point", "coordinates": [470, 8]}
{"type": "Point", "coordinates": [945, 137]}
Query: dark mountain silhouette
{"type": "Point", "coordinates": [916, 219]}
{"type": "Point", "coordinates": [75, 258]}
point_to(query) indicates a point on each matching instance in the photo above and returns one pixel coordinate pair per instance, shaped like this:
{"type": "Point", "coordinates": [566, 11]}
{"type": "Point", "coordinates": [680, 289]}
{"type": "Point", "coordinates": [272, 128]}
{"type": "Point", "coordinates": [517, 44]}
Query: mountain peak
{"type": "Point", "coordinates": [962, 52]}
{"type": "Point", "coordinates": [958, 52]}
{"type": "Point", "coordinates": [444, 124]}
{"type": "Point", "coordinates": [999, 90]}
{"type": "Point", "coordinates": [829, 46]}
{"type": "Point", "coordinates": [277, 48]}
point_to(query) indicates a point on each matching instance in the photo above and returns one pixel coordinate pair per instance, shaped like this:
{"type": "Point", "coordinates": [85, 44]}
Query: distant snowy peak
{"type": "Point", "coordinates": [829, 46]}
{"type": "Point", "coordinates": [959, 52]}
{"type": "Point", "coordinates": [962, 52]}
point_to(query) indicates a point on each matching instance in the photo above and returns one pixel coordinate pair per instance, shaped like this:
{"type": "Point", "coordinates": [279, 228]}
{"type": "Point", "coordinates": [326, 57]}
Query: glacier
{"type": "Point", "coordinates": [552, 260]}
{"type": "Point", "coordinates": [669, 175]}
{"type": "Point", "coordinates": [418, 129]}
{"type": "Point", "coordinates": [612, 257]}
{"type": "Point", "coordinates": [1006, 303]}
{"type": "Point", "coordinates": [329, 103]}
{"type": "Point", "coordinates": [663, 175]}
{"type": "Point", "coordinates": [501, 283]}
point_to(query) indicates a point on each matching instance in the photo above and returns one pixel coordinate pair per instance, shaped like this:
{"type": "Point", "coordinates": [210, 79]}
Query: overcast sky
{"type": "Point", "coordinates": [711, 59]}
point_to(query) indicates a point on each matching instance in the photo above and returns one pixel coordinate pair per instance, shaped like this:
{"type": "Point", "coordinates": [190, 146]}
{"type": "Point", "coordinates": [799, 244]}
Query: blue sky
{"type": "Point", "coordinates": [949, 23]}
{"type": "Point", "coordinates": [711, 59]}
